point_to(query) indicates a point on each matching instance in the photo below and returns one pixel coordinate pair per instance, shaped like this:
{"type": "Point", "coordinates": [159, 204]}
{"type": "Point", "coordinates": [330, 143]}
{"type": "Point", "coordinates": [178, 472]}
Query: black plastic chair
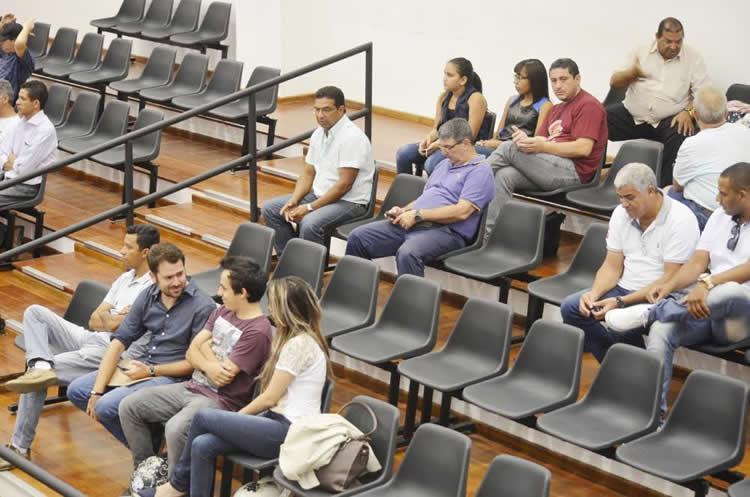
{"type": "Point", "coordinates": [213, 30]}
{"type": "Point", "coordinates": [703, 435]}
{"type": "Point", "coordinates": [61, 51]}
{"type": "Point", "coordinates": [739, 92]}
{"type": "Point", "coordinates": [407, 328]}
{"type": "Point", "coordinates": [39, 39]}
{"type": "Point", "coordinates": [189, 79]}
{"type": "Point", "coordinates": [226, 80]}
{"type": "Point", "coordinates": [350, 298]}
{"type": "Point", "coordinates": [157, 16]}
{"type": "Point", "coordinates": [510, 476]}
{"type": "Point", "coordinates": [621, 405]}
{"type": "Point", "coordinates": [250, 240]}
{"type": "Point", "coordinates": [114, 67]}
{"type": "Point", "coordinates": [157, 72]}
{"type": "Point", "coordinates": [130, 10]}
{"type": "Point", "coordinates": [87, 58]}
{"type": "Point", "coordinates": [81, 118]}
{"type": "Point", "coordinates": [28, 207]}
{"type": "Point", "coordinates": [58, 98]}
{"type": "Point", "coordinates": [405, 188]}
{"type": "Point", "coordinates": [603, 197]}
{"type": "Point", "coordinates": [112, 124]}
{"type": "Point", "coordinates": [436, 464]}
{"type": "Point", "coordinates": [184, 20]}
{"type": "Point", "coordinates": [383, 443]}
{"type": "Point", "coordinates": [478, 349]}
{"type": "Point", "coordinates": [515, 246]}
{"type": "Point", "coordinates": [304, 259]}
{"type": "Point", "coordinates": [545, 376]}
{"type": "Point", "coordinates": [578, 276]}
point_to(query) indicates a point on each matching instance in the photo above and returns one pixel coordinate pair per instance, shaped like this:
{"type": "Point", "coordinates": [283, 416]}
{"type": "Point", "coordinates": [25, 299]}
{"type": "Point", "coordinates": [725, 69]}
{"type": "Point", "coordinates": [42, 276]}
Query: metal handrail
{"type": "Point", "coordinates": [249, 159]}
{"type": "Point", "coordinates": [39, 474]}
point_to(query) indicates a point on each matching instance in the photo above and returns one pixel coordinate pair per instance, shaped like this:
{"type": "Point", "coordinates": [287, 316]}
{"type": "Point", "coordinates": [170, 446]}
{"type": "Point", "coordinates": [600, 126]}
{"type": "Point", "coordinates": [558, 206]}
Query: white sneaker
{"type": "Point", "coordinates": [629, 318]}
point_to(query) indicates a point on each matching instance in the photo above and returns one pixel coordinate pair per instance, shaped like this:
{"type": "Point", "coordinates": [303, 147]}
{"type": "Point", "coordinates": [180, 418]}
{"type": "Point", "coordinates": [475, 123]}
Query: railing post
{"type": "Point", "coordinates": [368, 92]}
{"type": "Point", "coordinates": [251, 131]}
{"type": "Point", "coordinates": [128, 184]}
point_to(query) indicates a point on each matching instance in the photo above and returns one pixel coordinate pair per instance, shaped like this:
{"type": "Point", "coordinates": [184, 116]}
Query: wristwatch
{"type": "Point", "coordinates": [152, 370]}
{"type": "Point", "coordinates": [705, 278]}
{"type": "Point", "coordinates": [620, 303]}
{"type": "Point", "coordinates": [94, 393]}
{"type": "Point", "coordinates": [418, 216]}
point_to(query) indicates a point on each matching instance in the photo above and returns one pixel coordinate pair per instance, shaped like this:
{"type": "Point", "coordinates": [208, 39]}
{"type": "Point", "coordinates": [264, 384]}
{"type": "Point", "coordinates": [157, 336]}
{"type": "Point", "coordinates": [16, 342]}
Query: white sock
{"type": "Point", "coordinates": [19, 449]}
{"type": "Point", "coordinates": [41, 364]}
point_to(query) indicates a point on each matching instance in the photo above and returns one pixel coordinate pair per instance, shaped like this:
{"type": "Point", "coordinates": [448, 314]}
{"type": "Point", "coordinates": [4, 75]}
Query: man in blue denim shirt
{"type": "Point", "coordinates": [173, 310]}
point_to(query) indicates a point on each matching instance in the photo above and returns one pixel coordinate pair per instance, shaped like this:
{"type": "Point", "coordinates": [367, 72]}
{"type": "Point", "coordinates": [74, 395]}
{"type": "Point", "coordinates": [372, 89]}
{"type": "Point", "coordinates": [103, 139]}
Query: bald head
{"type": "Point", "coordinates": [710, 107]}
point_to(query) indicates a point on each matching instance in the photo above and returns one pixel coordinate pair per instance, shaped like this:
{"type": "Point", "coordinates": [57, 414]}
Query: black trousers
{"type": "Point", "coordinates": [622, 127]}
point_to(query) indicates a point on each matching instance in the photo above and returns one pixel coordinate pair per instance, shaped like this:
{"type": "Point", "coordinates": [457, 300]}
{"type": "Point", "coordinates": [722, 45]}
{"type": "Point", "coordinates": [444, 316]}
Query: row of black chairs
{"type": "Point", "coordinates": [180, 29]}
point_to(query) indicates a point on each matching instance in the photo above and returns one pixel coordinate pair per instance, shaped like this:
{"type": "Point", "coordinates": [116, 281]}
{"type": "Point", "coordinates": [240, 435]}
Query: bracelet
{"type": "Point", "coordinates": [96, 394]}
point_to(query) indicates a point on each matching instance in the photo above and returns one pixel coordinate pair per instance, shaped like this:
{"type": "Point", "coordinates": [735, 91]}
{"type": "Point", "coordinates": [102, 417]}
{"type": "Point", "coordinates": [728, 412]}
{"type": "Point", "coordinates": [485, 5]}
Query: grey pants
{"type": "Point", "coordinates": [172, 404]}
{"type": "Point", "coordinates": [516, 171]}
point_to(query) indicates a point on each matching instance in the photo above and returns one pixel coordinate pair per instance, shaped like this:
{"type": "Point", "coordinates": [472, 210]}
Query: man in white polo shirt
{"type": "Point", "coordinates": [336, 183]}
{"type": "Point", "coordinates": [703, 157]}
{"type": "Point", "coordinates": [58, 351]}
{"type": "Point", "coordinates": [717, 309]}
{"type": "Point", "coordinates": [650, 237]}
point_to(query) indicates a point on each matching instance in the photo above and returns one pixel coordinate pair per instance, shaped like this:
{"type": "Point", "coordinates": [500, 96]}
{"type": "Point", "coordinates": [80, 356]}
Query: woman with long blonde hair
{"type": "Point", "coordinates": [291, 385]}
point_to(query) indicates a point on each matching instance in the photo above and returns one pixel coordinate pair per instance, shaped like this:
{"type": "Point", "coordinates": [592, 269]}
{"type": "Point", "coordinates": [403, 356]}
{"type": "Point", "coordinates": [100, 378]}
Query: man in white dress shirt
{"type": "Point", "coordinates": [336, 183]}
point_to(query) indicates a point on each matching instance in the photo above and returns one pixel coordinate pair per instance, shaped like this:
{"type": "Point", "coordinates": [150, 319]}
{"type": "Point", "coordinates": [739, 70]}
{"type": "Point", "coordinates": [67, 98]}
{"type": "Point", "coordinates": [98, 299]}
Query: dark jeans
{"type": "Point", "coordinates": [409, 155]}
{"type": "Point", "coordinates": [622, 127]}
{"type": "Point", "coordinates": [701, 213]}
{"type": "Point", "coordinates": [597, 339]}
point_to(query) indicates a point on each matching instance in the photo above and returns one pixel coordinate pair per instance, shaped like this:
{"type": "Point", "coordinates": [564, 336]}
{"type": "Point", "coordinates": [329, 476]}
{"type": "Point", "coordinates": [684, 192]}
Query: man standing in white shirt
{"type": "Point", "coordinates": [703, 157]}
{"type": "Point", "coordinates": [650, 237]}
{"type": "Point", "coordinates": [661, 79]}
{"type": "Point", "coordinates": [30, 146]}
{"type": "Point", "coordinates": [58, 351]}
{"type": "Point", "coordinates": [8, 117]}
{"type": "Point", "coordinates": [336, 183]}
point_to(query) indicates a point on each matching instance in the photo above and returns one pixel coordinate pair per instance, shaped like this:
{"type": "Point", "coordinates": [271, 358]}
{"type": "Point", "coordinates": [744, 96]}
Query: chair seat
{"type": "Point", "coordinates": [197, 37]}
{"type": "Point", "coordinates": [134, 85]}
{"type": "Point", "coordinates": [97, 76]}
{"type": "Point", "coordinates": [740, 489]}
{"type": "Point", "coordinates": [116, 156]}
{"type": "Point", "coordinates": [517, 396]}
{"type": "Point", "coordinates": [108, 22]}
{"type": "Point", "coordinates": [252, 462]}
{"type": "Point", "coordinates": [81, 143]}
{"type": "Point", "coordinates": [345, 230]}
{"type": "Point", "coordinates": [65, 69]}
{"type": "Point", "coordinates": [601, 198]}
{"type": "Point", "coordinates": [715, 348]}
{"type": "Point", "coordinates": [196, 100]}
{"type": "Point", "coordinates": [556, 288]}
{"type": "Point", "coordinates": [488, 264]}
{"type": "Point", "coordinates": [70, 131]}
{"type": "Point", "coordinates": [208, 281]}
{"type": "Point", "coordinates": [337, 321]}
{"type": "Point", "coordinates": [595, 427]}
{"type": "Point", "coordinates": [447, 372]}
{"type": "Point", "coordinates": [676, 457]}
{"type": "Point", "coordinates": [558, 191]}
{"type": "Point", "coordinates": [165, 93]}
{"type": "Point", "coordinates": [164, 32]}
{"type": "Point", "coordinates": [137, 26]}
{"type": "Point", "coordinates": [380, 345]}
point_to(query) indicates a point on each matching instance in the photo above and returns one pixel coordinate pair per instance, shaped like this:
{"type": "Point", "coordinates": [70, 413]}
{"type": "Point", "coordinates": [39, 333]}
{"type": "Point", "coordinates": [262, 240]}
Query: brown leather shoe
{"type": "Point", "coordinates": [33, 380]}
{"type": "Point", "coordinates": [7, 466]}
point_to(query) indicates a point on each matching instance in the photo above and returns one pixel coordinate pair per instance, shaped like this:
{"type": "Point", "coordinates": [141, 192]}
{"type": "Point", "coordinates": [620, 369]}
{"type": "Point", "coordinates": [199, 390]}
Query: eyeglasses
{"type": "Point", "coordinates": [518, 77]}
{"type": "Point", "coordinates": [732, 242]}
{"type": "Point", "coordinates": [447, 148]}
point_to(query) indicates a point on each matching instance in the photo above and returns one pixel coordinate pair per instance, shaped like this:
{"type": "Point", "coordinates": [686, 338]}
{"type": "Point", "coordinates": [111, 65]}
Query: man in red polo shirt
{"type": "Point", "coordinates": [566, 151]}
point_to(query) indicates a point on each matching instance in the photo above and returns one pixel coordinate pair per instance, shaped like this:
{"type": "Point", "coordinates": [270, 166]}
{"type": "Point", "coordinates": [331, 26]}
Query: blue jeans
{"type": "Point", "coordinates": [213, 433]}
{"type": "Point", "coordinates": [597, 339]}
{"type": "Point", "coordinates": [107, 406]}
{"type": "Point", "coordinates": [314, 226]}
{"type": "Point", "coordinates": [701, 213]}
{"type": "Point", "coordinates": [409, 155]}
{"type": "Point", "coordinates": [673, 327]}
{"type": "Point", "coordinates": [486, 151]}
{"type": "Point", "coordinates": [412, 248]}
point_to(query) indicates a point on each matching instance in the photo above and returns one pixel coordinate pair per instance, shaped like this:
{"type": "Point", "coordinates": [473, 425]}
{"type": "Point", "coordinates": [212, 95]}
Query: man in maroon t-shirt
{"type": "Point", "coordinates": [566, 151]}
{"type": "Point", "coordinates": [227, 355]}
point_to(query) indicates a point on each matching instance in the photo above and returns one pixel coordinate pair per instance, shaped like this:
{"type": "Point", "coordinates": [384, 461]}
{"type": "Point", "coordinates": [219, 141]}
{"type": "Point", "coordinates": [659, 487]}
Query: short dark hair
{"type": "Point", "coordinates": [568, 64]}
{"type": "Point", "coordinates": [333, 93]}
{"type": "Point", "coordinates": [164, 252]}
{"type": "Point", "coordinates": [146, 235]}
{"type": "Point", "coordinates": [537, 75]}
{"type": "Point", "coordinates": [671, 24]}
{"type": "Point", "coordinates": [739, 175]}
{"type": "Point", "coordinates": [37, 91]}
{"type": "Point", "coordinates": [245, 273]}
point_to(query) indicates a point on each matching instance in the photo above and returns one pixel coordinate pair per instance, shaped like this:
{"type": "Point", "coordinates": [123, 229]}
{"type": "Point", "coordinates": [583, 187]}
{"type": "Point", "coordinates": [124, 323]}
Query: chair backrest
{"type": "Point", "coordinates": [326, 395]}
{"type": "Point", "coordinates": [186, 15]}
{"type": "Point", "coordinates": [87, 297]}
{"type": "Point", "coordinates": [159, 66]}
{"type": "Point", "coordinates": [519, 228]}
{"type": "Point", "coordinates": [712, 406]}
{"type": "Point", "coordinates": [404, 189]}
{"type": "Point", "coordinates": [490, 118]}
{"type": "Point", "coordinates": [159, 12]}
{"type": "Point", "coordinates": [739, 92]}
{"type": "Point", "coordinates": [117, 57]}
{"type": "Point", "coordinates": [192, 71]}
{"type": "Point", "coordinates": [83, 114]}
{"type": "Point", "coordinates": [114, 119]}
{"type": "Point", "coordinates": [383, 440]}
{"type": "Point", "coordinates": [644, 151]}
{"type": "Point", "coordinates": [591, 252]}
{"type": "Point", "coordinates": [304, 259]}
{"type": "Point", "coordinates": [554, 352]}
{"type": "Point", "coordinates": [253, 240]}
{"type": "Point", "coordinates": [414, 305]}
{"type": "Point", "coordinates": [436, 463]}
{"type": "Point", "coordinates": [148, 146]}
{"type": "Point", "coordinates": [631, 379]}
{"type": "Point", "coordinates": [614, 96]}
{"type": "Point", "coordinates": [64, 44]}
{"type": "Point", "coordinates": [227, 77]}
{"type": "Point", "coordinates": [90, 51]}
{"type": "Point", "coordinates": [57, 103]}
{"type": "Point", "coordinates": [39, 39]}
{"type": "Point", "coordinates": [265, 100]}
{"type": "Point", "coordinates": [131, 9]}
{"type": "Point", "coordinates": [216, 20]}
{"type": "Point", "coordinates": [510, 476]}
{"type": "Point", "coordinates": [483, 334]}
{"type": "Point", "coordinates": [353, 286]}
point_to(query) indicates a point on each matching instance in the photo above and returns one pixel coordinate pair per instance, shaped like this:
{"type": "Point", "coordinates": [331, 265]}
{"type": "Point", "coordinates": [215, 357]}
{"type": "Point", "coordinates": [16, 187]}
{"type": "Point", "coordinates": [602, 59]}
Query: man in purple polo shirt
{"type": "Point", "coordinates": [444, 218]}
